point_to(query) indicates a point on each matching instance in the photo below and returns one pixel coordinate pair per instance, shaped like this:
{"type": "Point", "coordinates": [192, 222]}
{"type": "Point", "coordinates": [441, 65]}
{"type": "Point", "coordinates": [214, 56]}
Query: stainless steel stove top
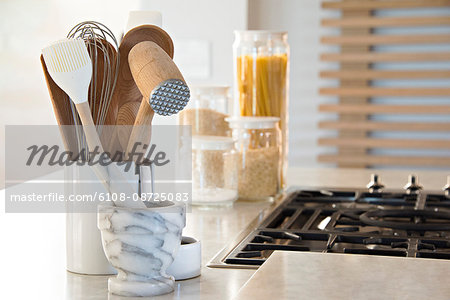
{"type": "Point", "coordinates": [411, 222]}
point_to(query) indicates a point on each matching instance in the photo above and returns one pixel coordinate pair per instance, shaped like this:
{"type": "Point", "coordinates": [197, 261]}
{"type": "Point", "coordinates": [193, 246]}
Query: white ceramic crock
{"type": "Point", "coordinates": [188, 261]}
{"type": "Point", "coordinates": [84, 251]}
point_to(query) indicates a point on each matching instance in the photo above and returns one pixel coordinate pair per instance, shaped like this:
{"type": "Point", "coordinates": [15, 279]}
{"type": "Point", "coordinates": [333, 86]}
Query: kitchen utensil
{"type": "Point", "coordinates": [126, 89]}
{"type": "Point", "coordinates": [161, 85]}
{"type": "Point", "coordinates": [63, 111]}
{"type": "Point", "coordinates": [104, 67]}
{"type": "Point", "coordinates": [140, 135]}
{"type": "Point", "coordinates": [102, 47]}
{"type": "Point", "coordinates": [125, 120]}
{"type": "Point", "coordinates": [70, 66]}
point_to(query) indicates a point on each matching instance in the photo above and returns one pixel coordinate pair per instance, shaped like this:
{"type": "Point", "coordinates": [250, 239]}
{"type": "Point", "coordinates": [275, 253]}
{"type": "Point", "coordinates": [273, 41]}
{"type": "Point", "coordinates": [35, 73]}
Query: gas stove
{"type": "Point", "coordinates": [411, 222]}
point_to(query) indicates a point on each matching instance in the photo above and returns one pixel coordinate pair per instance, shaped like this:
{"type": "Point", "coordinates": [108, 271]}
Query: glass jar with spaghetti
{"type": "Point", "coordinates": [261, 80]}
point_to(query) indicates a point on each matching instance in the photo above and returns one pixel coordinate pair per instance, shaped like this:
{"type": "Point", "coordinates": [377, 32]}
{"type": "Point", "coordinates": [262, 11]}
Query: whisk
{"type": "Point", "coordinates": [103, 50]}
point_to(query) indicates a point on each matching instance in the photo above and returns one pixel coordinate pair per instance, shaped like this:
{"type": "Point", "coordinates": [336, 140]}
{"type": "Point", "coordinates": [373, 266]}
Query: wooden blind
{"type": "Point", "coordinates": [356, 140]}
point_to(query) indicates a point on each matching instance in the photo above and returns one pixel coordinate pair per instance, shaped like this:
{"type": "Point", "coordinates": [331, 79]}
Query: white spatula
{"type": "Point", "coordinates": [70, 66]}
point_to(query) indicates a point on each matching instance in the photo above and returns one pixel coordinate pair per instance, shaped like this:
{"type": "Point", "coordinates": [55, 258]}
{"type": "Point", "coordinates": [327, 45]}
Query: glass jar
{"type": "Point", "coordinates": [261, 79]}
{"type": "Point", "coordinates": [207, 110]}
{"type": "Point", "coordinates": [214, 171]}
{"type": "Point", "coordinates": [258, 143]}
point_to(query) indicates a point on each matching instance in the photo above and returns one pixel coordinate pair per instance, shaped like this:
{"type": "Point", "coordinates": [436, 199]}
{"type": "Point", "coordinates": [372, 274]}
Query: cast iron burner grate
{"type": "Point", "coordinates": [414, 224]}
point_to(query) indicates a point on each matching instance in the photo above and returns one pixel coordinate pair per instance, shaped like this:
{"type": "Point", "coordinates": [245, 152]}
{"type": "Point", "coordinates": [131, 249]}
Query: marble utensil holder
{"type": "Point", "coordinates": [141, 244]}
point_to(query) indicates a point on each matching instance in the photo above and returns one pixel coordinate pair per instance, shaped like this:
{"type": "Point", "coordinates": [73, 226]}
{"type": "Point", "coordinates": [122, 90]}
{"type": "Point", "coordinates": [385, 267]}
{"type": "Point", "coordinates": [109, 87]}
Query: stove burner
{"type": "Point", "coordinates": [410, 225]}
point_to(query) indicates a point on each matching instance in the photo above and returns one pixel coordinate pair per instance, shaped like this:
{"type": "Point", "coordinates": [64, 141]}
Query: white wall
{"type": "Point", "coordinates": [196, 23]}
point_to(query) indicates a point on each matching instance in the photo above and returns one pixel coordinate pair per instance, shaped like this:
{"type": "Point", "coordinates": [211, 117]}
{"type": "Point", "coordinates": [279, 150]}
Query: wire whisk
{"type": "Point", "coordinates": [103, 50]}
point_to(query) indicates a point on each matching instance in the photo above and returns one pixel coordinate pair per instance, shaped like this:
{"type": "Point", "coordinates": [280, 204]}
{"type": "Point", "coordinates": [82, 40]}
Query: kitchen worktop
{"type": "Point", "coordinates": [341, 276]}
{"type": "Point", "coordinates": [32, 256]}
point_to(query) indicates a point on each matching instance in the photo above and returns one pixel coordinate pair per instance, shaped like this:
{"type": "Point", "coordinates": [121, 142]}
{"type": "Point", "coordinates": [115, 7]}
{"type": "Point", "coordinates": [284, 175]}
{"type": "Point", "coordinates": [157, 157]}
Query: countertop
{"type": "Point", "coordinates": [323, 276]}
{"type": "Point", "coordinates": [32, 256]}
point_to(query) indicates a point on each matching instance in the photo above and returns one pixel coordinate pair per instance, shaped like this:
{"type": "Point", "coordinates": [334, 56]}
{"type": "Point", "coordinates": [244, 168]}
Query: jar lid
{"type": "Point", "coordinates": [209, 89]}
{"type": "Point", "coordinates": [209, 142]}
{"type": "Point", "coordinates": [253, 122]}
{"type": "Point", "coordinates": [260, 34]}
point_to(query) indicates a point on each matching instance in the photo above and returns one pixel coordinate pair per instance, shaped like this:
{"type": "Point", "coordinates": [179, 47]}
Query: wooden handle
{"type": "Point", "coordinates": [125, 119]}
{"type": "Point", "coordinates": [89, 127]}
{"type": "Point", "coordinates": [150, 65]}
{"type": "Point", "coordinates": [92, 139]}
{"type": "Point", "coordinates": [141, 132]}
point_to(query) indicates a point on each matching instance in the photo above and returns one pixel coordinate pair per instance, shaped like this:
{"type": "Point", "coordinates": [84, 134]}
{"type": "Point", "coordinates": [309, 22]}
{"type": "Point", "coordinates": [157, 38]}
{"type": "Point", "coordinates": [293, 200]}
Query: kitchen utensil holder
{"type": "Point", "coordinates": [141, 244]}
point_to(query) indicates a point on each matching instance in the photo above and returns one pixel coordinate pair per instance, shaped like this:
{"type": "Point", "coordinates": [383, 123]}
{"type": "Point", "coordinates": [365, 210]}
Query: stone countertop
{"type": "Point", "coordinates": [32, 258]}
{"type": "Point", "coordinates": [312, 275]}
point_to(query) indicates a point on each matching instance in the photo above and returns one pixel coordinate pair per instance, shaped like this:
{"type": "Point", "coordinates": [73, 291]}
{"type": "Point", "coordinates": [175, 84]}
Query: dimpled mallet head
{"type": "Point", "coordinates": [169, 97]}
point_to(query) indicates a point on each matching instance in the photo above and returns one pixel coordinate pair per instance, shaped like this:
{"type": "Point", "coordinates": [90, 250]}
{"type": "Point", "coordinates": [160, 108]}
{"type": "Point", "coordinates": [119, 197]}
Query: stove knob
{"type": "Point", "coordinates": [447, 186]}
{"type": "Point", "coordinates": [375, 185]}
{"type": "Point", "coordinates": [412, 185]}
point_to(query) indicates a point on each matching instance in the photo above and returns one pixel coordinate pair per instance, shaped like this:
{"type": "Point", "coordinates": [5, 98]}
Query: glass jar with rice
{"type": "Point", "coordinates": [214, 171]}
{"type": "Point", "coordinates": [258, 145]}
{"type": "Point", "coordinates": [207, 110]}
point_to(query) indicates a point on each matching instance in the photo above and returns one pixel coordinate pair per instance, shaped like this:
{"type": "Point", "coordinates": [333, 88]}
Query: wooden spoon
{"type": "Point", "coordinates": [125, 119]}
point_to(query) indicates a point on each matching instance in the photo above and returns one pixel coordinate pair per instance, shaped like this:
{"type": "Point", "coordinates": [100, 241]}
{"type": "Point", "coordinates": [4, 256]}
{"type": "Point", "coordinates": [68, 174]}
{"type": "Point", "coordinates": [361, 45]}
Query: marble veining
{"type": "Point", "coordinates": [141, 244]}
